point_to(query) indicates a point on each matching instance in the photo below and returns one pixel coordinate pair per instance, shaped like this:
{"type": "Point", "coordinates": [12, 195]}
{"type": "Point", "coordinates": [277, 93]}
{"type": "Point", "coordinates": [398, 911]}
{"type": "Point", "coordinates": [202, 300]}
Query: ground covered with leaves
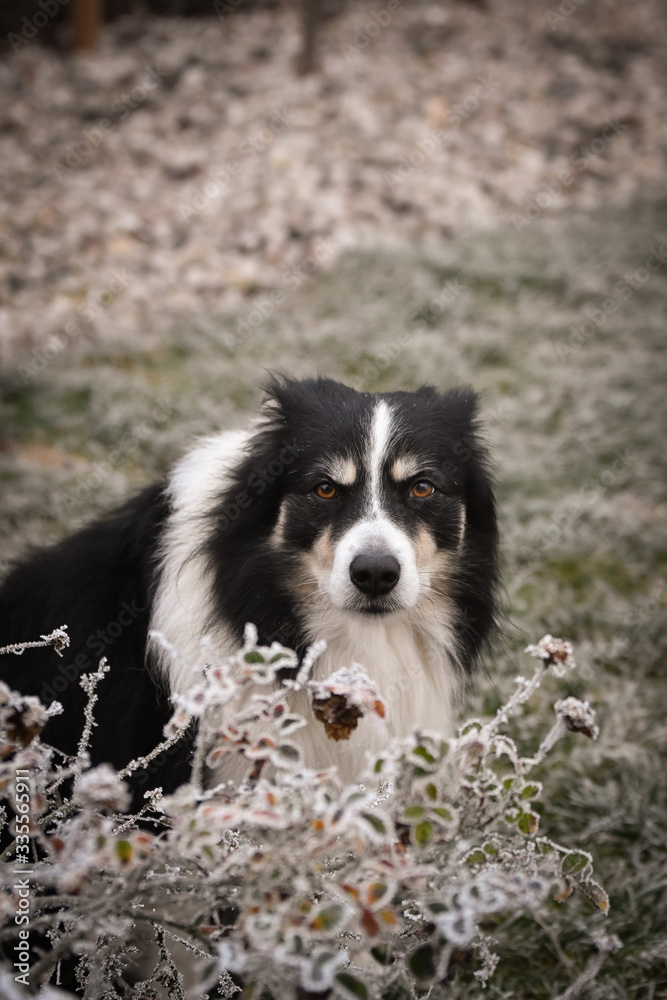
{"type": "Point", "coordinates": [558, 320]}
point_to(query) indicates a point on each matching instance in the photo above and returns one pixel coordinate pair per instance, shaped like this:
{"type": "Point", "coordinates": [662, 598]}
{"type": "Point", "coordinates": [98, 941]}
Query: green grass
{"type": "Point", "coordinates": [583, 539]}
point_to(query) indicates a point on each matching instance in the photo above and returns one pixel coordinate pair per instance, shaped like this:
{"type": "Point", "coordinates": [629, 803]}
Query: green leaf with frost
{"type": "Point", "coordinates": [530, 791]}
{"type": "Point", "coordinates": [422, 963]}
{"type": "Point", "coordinates": [329, 918]}
{"type": "Point", "coordinates": [253, 656]}
{"type": "Point", "coordinates": [382, 954]}
{"type": "Point", "coordinates": [596, 894]}
{"type": "Point", "coordinates": [528, 822]}
{"type": "Point", "coordinates": [350, 987]}
{"type": "Point", "coordinates": [424, 834]}
{"type": "Point", "coordinates": [124, 851]}
{"type": "Point", "coordinates": [375, 822]}
{"type": "Point", "coordinates": [574, 862]}
{"type": "Point", "coordinates": [414, 812]}
{"type": "Point", "coordinates": [421, 751]}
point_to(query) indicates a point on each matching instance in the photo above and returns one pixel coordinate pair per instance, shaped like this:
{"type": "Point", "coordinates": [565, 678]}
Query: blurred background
{"type": "Point", "coordinates": [389, 193]}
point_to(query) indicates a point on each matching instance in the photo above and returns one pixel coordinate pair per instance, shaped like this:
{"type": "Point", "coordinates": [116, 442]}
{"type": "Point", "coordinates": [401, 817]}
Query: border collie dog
{"type": "Point", "coordinates": [366, 520]}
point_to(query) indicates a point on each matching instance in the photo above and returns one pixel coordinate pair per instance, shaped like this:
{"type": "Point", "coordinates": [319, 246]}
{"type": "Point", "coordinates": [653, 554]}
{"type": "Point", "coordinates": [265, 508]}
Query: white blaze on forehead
{"type": "Point", "coordinates": [378, 442]}
{"type": "Point", "coordinates": [278, 533]}
{"type": "Point", "coordinates": [462, 525]}
{"type": "Point", "coordinates": [343, 471]}
{"type": "Point", "coordinates": [404, 468]}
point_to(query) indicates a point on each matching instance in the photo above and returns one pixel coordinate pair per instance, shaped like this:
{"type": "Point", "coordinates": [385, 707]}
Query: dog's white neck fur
{"type": "Point", "coordinates": [183, 602]}
{"type": "Point", "coordinates": [408, 654]}
{"type": "Point", "coordinates": [408, 662]}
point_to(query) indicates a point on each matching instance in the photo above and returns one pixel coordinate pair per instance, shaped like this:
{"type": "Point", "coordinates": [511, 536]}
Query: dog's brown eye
{"type": "Point", "coordinates": [326, 490]}
{"type": "Point", "coordinates": [422, 489]}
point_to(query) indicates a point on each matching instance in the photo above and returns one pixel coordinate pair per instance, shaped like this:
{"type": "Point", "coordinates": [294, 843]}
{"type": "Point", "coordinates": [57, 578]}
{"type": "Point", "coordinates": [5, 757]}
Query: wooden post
{"type": "Point", "coordinates": [86, 22]}
{"type": "Point", "coordinates": [310, 21]}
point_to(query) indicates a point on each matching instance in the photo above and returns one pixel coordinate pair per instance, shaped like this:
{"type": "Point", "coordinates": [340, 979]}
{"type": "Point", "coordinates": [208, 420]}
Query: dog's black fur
{"type": "Point", "coordinates": [88, 581]}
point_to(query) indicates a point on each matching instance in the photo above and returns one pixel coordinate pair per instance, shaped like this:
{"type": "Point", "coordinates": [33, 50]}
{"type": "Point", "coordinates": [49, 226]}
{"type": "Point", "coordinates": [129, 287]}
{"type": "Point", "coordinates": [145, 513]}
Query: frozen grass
{"type": "Point", "coordinates": [577, 431]}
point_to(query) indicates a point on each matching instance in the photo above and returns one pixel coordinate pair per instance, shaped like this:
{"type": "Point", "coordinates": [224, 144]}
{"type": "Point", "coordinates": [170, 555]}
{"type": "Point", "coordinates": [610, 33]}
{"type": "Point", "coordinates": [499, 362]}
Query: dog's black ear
{"type": "Point", "coordinates": [480, 493]}
{"type": "Point", "coordinates": [472, 454]}
{"type": "Point", "coordinates": [427, 392]}
{"type": "Point", "coordinates": [275, 390]}
{"type": "Point", "coordinates": [249, 505]}
{"type": "Point", "coordinates": [300, 400]}
{"type": "Point", "coordinates": [283, 395]}
{"type": "Point", "coordinates": [478, 575]}
{"type": "Point", "coordinates": [238, 546]}
{"type": "Point", "coordinates": [459, 405]}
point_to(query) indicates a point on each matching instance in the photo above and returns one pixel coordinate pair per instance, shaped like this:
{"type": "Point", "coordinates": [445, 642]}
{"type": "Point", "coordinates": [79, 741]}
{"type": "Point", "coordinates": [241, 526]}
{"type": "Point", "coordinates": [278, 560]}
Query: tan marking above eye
{"type": "Point", "coordinates": [326, 490]}
{"type": "Point", "coordinates": [404, 468]}
{"type": "Point", "coordinates": [422, 489]}
{"type": "Point", "coordinates": [343, 470]}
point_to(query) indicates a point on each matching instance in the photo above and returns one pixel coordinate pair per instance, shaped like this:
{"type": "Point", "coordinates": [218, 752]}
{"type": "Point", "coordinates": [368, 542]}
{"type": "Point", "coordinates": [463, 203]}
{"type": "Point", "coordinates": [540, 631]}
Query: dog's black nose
{"type": "Point", "coordinates": [375, 573]}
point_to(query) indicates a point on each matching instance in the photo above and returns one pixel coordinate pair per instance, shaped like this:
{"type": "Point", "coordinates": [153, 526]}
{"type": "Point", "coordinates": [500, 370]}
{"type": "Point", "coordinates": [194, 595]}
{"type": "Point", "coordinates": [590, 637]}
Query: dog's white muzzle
{"type": "Point", "coordinates": [374, 565]}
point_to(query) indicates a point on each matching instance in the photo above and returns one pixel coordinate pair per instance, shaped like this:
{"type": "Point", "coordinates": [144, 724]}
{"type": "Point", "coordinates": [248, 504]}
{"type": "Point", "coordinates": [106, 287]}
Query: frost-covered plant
{"type": "Point", "coordinates": [288, 884]}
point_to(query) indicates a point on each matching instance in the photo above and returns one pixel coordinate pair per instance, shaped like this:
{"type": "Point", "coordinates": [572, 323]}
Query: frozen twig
{"type": "Point", "coordinates": [59, 639]}
{"type": "Point", "coordinates": [89, 684]}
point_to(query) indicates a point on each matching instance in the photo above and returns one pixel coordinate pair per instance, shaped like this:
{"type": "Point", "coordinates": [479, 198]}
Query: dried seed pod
{"type": "Point", "coordinates": [340, 718]}
{"type": "Point", "coordinates": [578, 716]}
{"type": "Point", "coordinates": [23, 719]}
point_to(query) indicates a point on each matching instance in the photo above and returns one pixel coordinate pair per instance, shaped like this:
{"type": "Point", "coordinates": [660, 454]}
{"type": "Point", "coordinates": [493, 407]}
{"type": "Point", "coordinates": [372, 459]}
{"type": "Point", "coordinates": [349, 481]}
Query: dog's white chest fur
{"type": "Point", "coordinates": [417, 684]}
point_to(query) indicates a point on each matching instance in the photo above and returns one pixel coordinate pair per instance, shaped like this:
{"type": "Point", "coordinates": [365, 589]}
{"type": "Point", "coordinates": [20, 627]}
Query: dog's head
{"type": "Point", "coordinates": [372, 504]}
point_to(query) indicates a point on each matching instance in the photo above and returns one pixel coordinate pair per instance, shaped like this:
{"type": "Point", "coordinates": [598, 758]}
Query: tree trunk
{"type": "Point", "coordinates": [86, 22]}
{"type": "Point", "coordinates": [310, 20]}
